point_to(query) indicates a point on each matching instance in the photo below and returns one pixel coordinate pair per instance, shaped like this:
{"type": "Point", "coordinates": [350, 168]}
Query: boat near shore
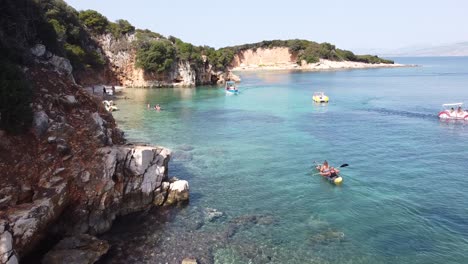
{"type": "Point", "coordinates": [231, 88]}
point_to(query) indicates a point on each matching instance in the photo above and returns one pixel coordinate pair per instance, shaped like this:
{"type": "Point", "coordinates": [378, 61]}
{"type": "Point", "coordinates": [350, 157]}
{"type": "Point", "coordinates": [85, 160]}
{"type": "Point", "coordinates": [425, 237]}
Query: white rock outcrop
{"type": "Point", "coordinates": [178, 192]}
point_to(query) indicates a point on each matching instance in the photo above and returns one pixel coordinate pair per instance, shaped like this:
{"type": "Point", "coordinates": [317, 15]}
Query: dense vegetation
{"type": "Point", "coordinates": [98, 24]}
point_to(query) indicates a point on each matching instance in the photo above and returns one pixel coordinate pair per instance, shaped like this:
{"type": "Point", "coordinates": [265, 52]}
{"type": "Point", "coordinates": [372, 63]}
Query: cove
{"type": "Point", "coordinates": [248, 159]}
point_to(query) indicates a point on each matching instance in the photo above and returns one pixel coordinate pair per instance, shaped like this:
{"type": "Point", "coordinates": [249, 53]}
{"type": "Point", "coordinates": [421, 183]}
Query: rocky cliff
{"type": "Point", "coordinates": [277, 56]}
{"type": "Point", "coordinates": [120, 54]}
{"type": "Point", "coordinates": [281, 58]}
{"type": "Point", "coordinates": [73, 173]}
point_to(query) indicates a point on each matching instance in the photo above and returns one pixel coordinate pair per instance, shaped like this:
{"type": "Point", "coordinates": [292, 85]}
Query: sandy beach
{"type": "Point", "coordinates": [323, 65]}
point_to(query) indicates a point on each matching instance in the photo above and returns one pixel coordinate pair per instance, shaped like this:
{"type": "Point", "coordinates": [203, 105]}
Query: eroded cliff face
{"type": "Point", "coordinates": [264, 57]}
{"type": "Point", "coordinates": [280, 58]}
{"type": "Point", "coordinates": [73, 173]}
{"type": "Point", "coordinates": [121, 69]}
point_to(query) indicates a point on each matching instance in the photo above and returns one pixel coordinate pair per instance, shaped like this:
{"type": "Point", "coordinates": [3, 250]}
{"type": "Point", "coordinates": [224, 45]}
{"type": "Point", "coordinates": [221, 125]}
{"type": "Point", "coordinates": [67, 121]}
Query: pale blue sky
{"type": "Point", "coordinates": [358, 25]}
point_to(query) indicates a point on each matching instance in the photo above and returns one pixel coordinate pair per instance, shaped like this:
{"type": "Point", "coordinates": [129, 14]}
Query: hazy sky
{"type": "Point", "coordinates": [359, 25]}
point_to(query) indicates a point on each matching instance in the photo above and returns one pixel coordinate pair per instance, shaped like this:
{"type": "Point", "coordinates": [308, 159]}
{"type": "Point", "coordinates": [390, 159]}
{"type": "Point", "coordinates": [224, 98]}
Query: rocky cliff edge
{"type": "Point", "coordinates": [73, 173]}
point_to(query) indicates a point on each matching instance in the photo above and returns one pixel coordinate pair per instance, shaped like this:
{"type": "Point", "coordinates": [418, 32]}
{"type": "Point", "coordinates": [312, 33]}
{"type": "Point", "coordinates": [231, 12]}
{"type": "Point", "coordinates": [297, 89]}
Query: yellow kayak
{"type": "Point", "coordinates": [336, 180]}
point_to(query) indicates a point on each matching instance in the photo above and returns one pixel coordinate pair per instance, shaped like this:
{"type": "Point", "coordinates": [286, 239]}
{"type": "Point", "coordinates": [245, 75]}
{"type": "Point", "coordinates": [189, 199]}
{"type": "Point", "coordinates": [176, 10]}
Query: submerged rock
{"type": "Point", "coordinates": [81, 249]}
{"type": "Point", "coordinates": [182, 155]}
{"type": "Point", "coordinates": [212, 214]}
{"type": "Point", "coordinates": [327, 237]}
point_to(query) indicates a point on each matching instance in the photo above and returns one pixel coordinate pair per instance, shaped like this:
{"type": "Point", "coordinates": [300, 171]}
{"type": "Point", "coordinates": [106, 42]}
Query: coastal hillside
{"type": "Point", "coordinates": [66, 169]}
{"type": "Point", "coordinates": [100, 51]}
{"type": "Point", "coordinates": [300, 54]}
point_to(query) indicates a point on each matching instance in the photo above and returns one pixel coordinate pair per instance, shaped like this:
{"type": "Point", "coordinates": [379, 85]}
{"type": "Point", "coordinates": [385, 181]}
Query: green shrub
{"type": "Point", "coordinates": [94, 21]}
{"type": "Point", "coordinates": [120, 27]}
{"type": "Point", "coordinates": [372, 59]}
{"type": "Point", "coordinates": [156, 56]}
{"type": "Point", "coordinates": [15, 99]}
{"type": "Point", "coordinates": [346, 55]}
{"type": "Point", "coordinates": [60, 30]}
{"type": "Point", "coordinates": [76, 55]}
{"type": "Point", "coordinates": [94, 59]}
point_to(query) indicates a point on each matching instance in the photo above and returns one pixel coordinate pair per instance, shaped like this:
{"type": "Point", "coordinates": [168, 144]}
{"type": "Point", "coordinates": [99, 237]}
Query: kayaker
{"type": "Point", "coordinates": [334, 172]}
{"type": "Point", "coordinates": [324, 169]}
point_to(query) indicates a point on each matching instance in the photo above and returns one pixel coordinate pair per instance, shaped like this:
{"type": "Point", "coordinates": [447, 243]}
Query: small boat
{"type": "Point", "coordinates": [320, 97]}
{"type": "Point", "coordinates": [109, 106]}
{"type": "Point", "coordinates": [231, 88]}
{"type": "Point", "coordinates": [335, 180]}
{"type": "Point", "coordinates": [453, 111]}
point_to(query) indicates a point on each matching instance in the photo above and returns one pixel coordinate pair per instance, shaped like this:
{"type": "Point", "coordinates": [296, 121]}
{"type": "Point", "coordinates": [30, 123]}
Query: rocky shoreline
{"type": "Point", "coordinates": [73, 173]}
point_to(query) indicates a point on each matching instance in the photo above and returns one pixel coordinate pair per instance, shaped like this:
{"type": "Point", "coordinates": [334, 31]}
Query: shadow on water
{"type": "Point", "coordinates": [393, 112]}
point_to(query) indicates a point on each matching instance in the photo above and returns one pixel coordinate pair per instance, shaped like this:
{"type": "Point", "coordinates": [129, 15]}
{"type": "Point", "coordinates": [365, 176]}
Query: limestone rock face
{"type": "Point", "coordinates": [61, 64]}
{"type": "Point", "coordinates": [127, 180]}
{"type": "Point", "coordinates": [81, 249]}
{"type": "Point", "coordinates": [29, 222]}
{"type": "Point", "coordinates": [100, 128]}
{"type": "Point", "coordinates": [122, 57]}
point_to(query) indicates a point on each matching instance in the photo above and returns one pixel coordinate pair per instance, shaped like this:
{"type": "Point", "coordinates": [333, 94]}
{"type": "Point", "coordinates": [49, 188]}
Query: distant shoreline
{"type": "Point", "coordinates": [323, 65]}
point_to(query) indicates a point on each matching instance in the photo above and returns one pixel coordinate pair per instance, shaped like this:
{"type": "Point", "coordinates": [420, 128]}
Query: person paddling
{"type": "Point", "coordinates": [327, 171]}
{"type": "Point", "coordinates": [324, 169]}
{"type": "Point", "coordinates": [334, 172]}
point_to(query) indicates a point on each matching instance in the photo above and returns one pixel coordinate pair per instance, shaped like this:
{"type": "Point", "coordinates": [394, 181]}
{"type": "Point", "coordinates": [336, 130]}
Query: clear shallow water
{"type": "Point", "coordinates": [404, 197]}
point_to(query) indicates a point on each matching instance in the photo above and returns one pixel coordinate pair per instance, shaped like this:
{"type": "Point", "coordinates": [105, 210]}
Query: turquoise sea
{"type": "Point", "coordinates": [404, 198]}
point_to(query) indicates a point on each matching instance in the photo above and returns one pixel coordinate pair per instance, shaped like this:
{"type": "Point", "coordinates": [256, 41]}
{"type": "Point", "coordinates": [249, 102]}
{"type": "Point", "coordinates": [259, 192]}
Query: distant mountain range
{"type": "Point", "coordinates": [456, 49]}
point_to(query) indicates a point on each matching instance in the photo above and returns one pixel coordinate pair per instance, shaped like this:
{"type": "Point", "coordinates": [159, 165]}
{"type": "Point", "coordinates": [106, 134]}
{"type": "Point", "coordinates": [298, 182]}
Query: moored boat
{"type": "Point", "coordinates": [449, 112]}
{"type": "Point", "coordinates": [320, 97]}
{"type": "Point", "coordinates": [231, 88]}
